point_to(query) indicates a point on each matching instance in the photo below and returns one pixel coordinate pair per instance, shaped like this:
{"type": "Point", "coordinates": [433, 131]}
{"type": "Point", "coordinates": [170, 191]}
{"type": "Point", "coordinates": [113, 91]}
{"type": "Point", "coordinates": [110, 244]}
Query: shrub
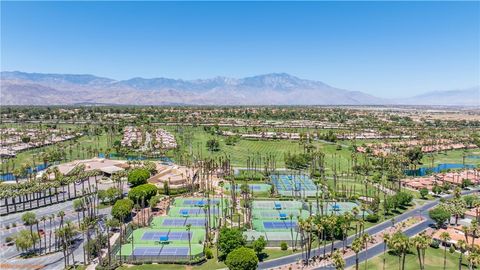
{"type": "Point", "coordinates": [138, 176]}
{"type": "Point", "coordinates": [14, 225]}
{"type": "Point", "coordinates": [283, 246]}
{"type": "Point", "coordinates": [230, 239]}
{"type": "Point", "coordinates": [8, 239]}
{"type": "Point", "coordinates": [423, 193]}
{"type": "Point", "coordinates": [242, 259]}
{"type": "Point", "coordinates": [122, 208]}
{"type": "Point", "coordinates": [208, 253]}
{"type": "Point", "coordinates": [435, 244]}
{"type": "Point", "coordinates": [145, 192]}
{"type": "Point", "coordinates": [372, 218]}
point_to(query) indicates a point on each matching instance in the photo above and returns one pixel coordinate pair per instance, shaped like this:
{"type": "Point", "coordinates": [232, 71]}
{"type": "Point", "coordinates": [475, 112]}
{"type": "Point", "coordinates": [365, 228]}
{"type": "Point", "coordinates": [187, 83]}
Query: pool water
{"type": "Point", "coordinates": [438, 169]}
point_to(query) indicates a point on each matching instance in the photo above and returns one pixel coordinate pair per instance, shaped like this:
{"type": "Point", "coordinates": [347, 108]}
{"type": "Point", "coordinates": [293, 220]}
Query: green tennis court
{"type": "Point", "coordinates": [175, 236]}
{"type": "Point", "coordinates": [279, 214]}
{"type": "Point", "coordinates": [336, 208]}
{"type": "Point", "coordinates": [256, 188]}
{"type": "Point", "coordinates": [278, 205]}
{"type": "Point", "coordinates": [198, 202]}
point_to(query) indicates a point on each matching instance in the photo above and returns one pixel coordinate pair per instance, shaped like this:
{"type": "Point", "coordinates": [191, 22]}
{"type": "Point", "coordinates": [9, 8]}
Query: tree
{"type": "Point", "coordinates": [445, 236]}
{"type": "Point", "coordinates": [122, 208]}
{"type": "Point", "coordinates": [138, 176]}
{"type": "Point", "coordinates": [259, 244]}
{"type": "Point", "coordinates": [357, 247]}
{"type": "Point", "coordinates": [242, 259]}
{"type": "Point", "coordinates": [338, 260]}
{"type": "Point", "coordinates": [421, 243]}
{"type": "Point", "coordinates": [440, 215]}
{"type": "Point", "coordinates": [400, 244]}
{"type": "Point", "coordinates": [386, 238]}
{"type": "Point", "coordinates": [189, 227]}
{"type": "Point", "coordinates": [145, 192]}
{"type": "Point", "coordinates": [423, 193]}
{"type": "Point", "coordinates": [213, 145]}
{"type": "Point", "coordinates": [462, 246]}
{"type": "Point", "coordinates": [30, 219]}
{"type": "Point", "coordinates": [24, 240]}
{"type": "Point", "coordinates": [230, 239]}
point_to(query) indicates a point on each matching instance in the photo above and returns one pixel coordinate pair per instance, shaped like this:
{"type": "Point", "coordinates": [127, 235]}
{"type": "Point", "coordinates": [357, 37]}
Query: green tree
{"type": "Point", "coordinates": [138, 176]}
{"type": "Point", "coordinates": [242, 259]}
{"type": "Point", "coordinates": [213, 145]}
{"type": "Point", "coordinates": [230, 239]}
{"type": "Point", "coordinates": [423, 193]}
{"type": "Point", "coordinates": [338, 260]}
{"type": "Point", "coordinates": [440, 215]}
{"type": "Point", "coordinates": [259, 245]}
{"type": "Point", "coordinates": [122, 208]}
{"type": "Point", "coordinates": [24, 240]}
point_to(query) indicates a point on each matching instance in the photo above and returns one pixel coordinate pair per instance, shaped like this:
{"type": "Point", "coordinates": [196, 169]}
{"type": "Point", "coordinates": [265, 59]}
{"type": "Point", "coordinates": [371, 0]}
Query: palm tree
{"type": "Point", "coordinates": [421, 243]}
{"type": "Point", "coordinates": [357, 247]}
{"type": "Point", "coordinates": [291, 228]}
{"type": "Point", "coordinates": [188, 227]}
{"type": "Point", "coordinates": [365, 239]}
{"type": "Point", "coordinates": [29, 218]}
{"type": "Point", "coordinates": [44, 219]}
{"type": "Point", "coordinates": [445, 236]}
{"type": "Point", "coordinates": [473, 258]}
{"type": "Point", "coordinates": [386, 238]}
{"type": "Point", "coordinates": [338, 260]}
{"type": "Point", "coordinates": [462, 246]}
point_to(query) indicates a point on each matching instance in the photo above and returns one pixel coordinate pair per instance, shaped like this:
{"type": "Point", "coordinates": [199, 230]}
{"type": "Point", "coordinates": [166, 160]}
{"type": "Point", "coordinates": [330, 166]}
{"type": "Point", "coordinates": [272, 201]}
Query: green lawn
{"type": "Point", "coordinates": [433, 261]}
{"type": "Point", "coordinates": [245, 148]}
{"type": "Point", "coordinates": [83, 148]}
{"type": "Point", "coordinates": [453, 156]}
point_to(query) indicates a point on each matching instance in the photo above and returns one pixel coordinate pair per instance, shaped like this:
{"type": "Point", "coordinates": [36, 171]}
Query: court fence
{"type": "Point", "coordinates": [178, 259]}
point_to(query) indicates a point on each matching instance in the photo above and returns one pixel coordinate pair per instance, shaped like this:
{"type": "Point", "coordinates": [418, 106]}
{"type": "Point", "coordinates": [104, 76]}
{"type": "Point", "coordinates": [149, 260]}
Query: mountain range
{"type": "Point", "coordinates": [21, 88]}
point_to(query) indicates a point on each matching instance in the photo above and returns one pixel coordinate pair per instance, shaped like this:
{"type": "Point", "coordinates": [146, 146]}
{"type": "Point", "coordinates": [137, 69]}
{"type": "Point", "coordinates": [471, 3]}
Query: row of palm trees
{"type": "Point", "coordinates": [29, 194]}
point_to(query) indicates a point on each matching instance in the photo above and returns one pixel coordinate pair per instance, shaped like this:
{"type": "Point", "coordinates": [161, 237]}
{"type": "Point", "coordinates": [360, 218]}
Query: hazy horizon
{"type": "Point", "coordinates": [385, 49]}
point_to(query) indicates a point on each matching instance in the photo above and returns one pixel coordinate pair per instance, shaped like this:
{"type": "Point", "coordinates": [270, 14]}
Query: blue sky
{"type": "Point", "coordinates": [388, 49]}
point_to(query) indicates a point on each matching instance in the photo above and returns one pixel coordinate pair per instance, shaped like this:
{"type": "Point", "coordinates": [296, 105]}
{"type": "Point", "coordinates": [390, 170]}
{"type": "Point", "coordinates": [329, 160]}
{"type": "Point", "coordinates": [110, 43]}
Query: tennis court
{"type": "Point", "coordinates": [256, 188]}
{"type": "Point", "coordinates": [177, 235]}
{"type": "Point", "coordinates": [279, 214]}
{"type": "Point", "coordinates": [196, 202]}
{"type": "Point", "coordinates": [174, 222]}
{"type": "Point", "coordinates": [192, 211]}
{"type": "Point", "coordinates": [274, 225]}
{"type": "Point", "coordinates": [160, 251]}
{"type": "Point", "coordinates": [287, 184]}
{"type": "Point", "coordinates": [166, 236]}
{"type": "Point", "coordinates": [276, 205]}
{"type": "Point", "coordinates": [336, 208]}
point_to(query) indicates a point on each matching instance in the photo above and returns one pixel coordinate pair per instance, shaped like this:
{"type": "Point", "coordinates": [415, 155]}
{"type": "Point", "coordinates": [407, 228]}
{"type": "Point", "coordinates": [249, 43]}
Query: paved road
{"type": "Point", "coordinates": [9, 255]}
{"type": "Point", "coordinates": [420, 211]}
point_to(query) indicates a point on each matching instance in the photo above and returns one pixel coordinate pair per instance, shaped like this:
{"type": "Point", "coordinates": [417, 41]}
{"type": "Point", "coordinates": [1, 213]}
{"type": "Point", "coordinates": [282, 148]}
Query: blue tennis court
{"type": "Point", "coordinates": [200, 202]}
{"type": "Point", "coordinates": [160, 251]}
{"type": "Point", "coordinates": [184, 222]}
{"type": "Point", "coordinates": [286, 184]}
{"type": "Point", "coordinates": [279, 224]}
{"type": "Point", "coordinates": [197, 211]}
{"type": "Point", "coordinates": [155, 236]}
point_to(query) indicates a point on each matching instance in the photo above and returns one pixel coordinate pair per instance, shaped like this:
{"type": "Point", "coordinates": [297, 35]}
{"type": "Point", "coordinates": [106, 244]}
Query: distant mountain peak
{"type": "Point", "coordinates": [22, 88]}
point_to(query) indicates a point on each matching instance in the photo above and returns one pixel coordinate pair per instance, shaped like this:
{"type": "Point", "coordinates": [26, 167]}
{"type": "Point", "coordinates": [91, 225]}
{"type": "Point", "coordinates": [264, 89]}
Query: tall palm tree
{"type": "Point", "coordinates": [420, 243]}
{"type": "Point", "coordinates": [357, 247]}
{"type": "Point", "coordinates": [462, 246]}
{"type": "Point", "coordinates": [445, 236]}
{"type": "Point", "coordinates": [473, 258]}
{"type": "Point", "coordinates": [188, 227]}
{"type": "Point", "coordinates": [365, 239]}
{"type": "Point", "coordinates": [338, 260]}
{"type": "Point", "coordinates": [386, 238]}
